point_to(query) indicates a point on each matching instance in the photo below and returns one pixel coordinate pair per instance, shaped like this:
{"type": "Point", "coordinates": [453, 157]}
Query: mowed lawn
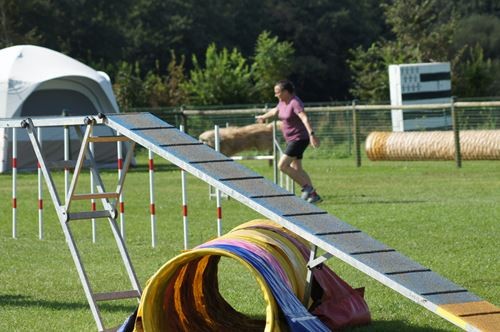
{"type": "Point", "coordinates": [445, 218]}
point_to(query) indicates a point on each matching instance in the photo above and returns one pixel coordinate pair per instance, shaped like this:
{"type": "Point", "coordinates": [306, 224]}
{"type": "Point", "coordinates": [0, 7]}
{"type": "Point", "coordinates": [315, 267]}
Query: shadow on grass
{"type": "Point", "coordinates": [393, 326]}
{"type": "Point", "coordinates": [363, 199]}
{"type": "Point", "coordinates": [22, 301]}
{"type": "Point", "coordinates": [144, 168]}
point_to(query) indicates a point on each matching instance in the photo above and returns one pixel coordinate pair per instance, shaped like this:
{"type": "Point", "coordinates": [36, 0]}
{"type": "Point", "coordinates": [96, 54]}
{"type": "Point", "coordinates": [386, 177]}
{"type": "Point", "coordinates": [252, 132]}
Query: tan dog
{"type": "Point", "coordinates": [234, 140]}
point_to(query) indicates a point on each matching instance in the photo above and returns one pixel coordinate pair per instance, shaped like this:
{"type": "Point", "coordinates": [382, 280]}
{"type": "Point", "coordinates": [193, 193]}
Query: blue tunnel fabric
{"type": "Point", "coordinates": [297, 316]}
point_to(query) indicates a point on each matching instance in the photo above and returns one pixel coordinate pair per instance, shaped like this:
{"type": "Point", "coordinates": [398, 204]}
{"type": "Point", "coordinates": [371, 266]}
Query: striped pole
{"type": "Point", "coordinates": [217, 191]}
{"type": "Point", "coordinates": [92, 201]}
{"type": "Point", "coordinates": [66, 158]}
{"type": "Point", "coordinates": [14, 185]}
{"type": "Point", "coordinates": [184, 204]}
{"type": "Point", "coordinates": [40, 190]}
{"type": "Point", "coordinates": [152, 198]}
{"type": "Point", "coordinates": [120, 199]}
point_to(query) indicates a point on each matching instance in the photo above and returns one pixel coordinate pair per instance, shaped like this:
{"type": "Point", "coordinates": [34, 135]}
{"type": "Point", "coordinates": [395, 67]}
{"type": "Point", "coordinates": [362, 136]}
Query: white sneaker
{"type": "Point", "coordinates": [306, 193]}
{"type": "Point", "coordinates": [314, 198]}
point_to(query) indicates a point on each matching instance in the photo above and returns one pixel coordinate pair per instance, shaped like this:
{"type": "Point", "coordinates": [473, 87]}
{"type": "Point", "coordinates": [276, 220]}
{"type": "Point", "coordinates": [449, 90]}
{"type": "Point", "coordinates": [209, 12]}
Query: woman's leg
{"type": "Point", "coordinates": [292, 167]}
{"type": "Point", "coordinates": [297, 165]}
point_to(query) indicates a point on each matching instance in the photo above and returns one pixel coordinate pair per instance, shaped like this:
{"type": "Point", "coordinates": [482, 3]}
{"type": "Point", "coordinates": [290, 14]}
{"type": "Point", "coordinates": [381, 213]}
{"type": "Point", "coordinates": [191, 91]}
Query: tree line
{"type": "Point", "coordinates": [177, 52]}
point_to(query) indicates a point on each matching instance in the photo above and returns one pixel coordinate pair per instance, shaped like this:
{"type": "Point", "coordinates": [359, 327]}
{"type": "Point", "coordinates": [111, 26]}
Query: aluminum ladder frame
{"type": "Point", "coordinates": [109, 212]}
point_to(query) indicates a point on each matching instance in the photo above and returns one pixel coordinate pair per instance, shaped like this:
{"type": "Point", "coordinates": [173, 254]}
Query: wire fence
{"type": "Point", "coordinates": [343, 129]}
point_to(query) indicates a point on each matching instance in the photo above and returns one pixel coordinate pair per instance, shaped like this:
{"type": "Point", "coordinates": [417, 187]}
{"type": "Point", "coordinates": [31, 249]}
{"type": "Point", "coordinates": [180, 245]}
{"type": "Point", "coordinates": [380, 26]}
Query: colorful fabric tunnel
{"type": "Point", "coordinates": [184, 294]}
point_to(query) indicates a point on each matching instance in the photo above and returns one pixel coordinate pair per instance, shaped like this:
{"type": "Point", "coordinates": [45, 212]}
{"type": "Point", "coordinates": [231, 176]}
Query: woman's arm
{"type": "Point", "coordinates": [312, 136]}
{"type": "Point", "coordinates": [273, 112]}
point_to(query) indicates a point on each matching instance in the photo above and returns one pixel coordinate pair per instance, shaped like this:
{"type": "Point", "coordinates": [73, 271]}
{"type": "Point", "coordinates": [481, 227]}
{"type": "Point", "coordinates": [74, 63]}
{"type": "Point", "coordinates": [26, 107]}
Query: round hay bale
{"type": "Point", "coordinates": [433, 145]}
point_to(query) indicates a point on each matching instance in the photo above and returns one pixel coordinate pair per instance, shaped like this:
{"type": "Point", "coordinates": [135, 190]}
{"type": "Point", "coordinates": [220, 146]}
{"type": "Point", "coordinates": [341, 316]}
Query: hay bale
{"type": "Point", "coordinates": [433, 145]}
{"type": "Point", "coordinates": [234, 140]}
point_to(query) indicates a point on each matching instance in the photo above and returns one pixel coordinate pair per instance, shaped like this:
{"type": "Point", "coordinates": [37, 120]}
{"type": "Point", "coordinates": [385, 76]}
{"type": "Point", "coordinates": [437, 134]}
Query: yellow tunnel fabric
{"type": "Point", "coordinates": [183, 295]}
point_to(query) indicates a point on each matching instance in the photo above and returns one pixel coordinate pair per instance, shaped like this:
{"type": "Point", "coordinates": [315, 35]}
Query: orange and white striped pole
{"type": "Point", "coordinates": [14, 184]}
{"type": "Point", "coordinates": [40, 190]}
{"type": "Point", "coordinates": [152, 197]}
{"type": "Point", "coordinates": [185, 223]}
{"type": "Point", "coordinates": [66, 158]}
{"type": "Point", "coordinates": [120, 199]}
{"type": "Point", "coordinates": [217, 191]}
{"type": "Point", "coordinates": [92, 201]}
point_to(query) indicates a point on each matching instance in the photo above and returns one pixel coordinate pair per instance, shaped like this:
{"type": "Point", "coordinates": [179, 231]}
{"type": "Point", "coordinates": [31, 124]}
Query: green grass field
{"type": "Point", "coordinates": [445, 218]}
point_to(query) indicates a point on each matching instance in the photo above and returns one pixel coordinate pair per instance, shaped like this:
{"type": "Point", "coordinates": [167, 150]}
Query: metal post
{"type": "Point", "coordinates": [456, 134]}
{"type": "Point", "coordinates": [40, 190]}
{"type": "Point", "coordinates": [14, 184]}
{"type": "Point", "coordinates": [119, 152]}
{"type": "Point", "coordinates": [184, 120]}
{"type": "Point", "coordinates": [93, 206]}
{"type": "Point", "coordinates": [355, 127]}
{"type": "Point", "coordinates": [67, 153]}
{"type": "Point", "coordinates": [152, 198]}
{"type": "Point", "coordinates": [184, 205]}
{"type": "Point", "coordinates": [275, 154]}
{"type": "Point", "coordinates": [217, 191]}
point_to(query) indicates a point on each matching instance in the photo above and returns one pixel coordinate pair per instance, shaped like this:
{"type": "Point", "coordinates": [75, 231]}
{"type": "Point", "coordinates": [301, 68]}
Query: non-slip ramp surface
{"type": "Point", "coordinates": [336, 237]}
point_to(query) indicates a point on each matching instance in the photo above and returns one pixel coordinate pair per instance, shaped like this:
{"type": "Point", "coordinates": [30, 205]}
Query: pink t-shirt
{"type": "Point", "coordinates": [292, 126]}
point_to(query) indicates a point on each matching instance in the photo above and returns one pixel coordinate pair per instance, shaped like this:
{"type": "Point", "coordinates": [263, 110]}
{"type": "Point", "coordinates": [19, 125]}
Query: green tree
{"type": "Point", "coordinates": [428, 25]}
{"type": "Point", "coordinates": [273, 60]}
{"type": "Point", "coordinates": [422, 32]}
{"type": "Point", "coordinates": [370, 68]}
{"type": "Point", "coordinates": [224, 79]}
{"type": "Point", "coordinates": [128, 86]}
{"type": "Point", "coordinates": [479, 29]}
{"type": "Point", "coordinates": [477, 76]}
{"type": "Point", "coordinates": [165, 90]}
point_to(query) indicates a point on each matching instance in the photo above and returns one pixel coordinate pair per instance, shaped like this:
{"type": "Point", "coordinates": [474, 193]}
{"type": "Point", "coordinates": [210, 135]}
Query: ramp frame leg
{"type": "Point", "coordinates": [64, 215]}
{"type": "Point", "coordinates": [313, 262]}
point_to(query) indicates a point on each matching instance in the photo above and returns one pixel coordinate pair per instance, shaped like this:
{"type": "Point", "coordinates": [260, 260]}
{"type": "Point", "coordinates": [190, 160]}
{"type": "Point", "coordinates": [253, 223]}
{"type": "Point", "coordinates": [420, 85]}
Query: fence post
{"type": "Point", "coordinates": [456, 133]}
{"type": "Point", "coordinates": [184, 120]}
{"type": "Point", "coordinates": [355, 129]}
{"type": "Point", "coordinates": [275, 154]}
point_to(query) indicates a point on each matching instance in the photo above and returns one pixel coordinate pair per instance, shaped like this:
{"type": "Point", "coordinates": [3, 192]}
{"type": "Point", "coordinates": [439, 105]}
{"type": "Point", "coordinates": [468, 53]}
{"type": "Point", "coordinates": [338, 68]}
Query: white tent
{"type": "Point", "coordinates": [36, 81]}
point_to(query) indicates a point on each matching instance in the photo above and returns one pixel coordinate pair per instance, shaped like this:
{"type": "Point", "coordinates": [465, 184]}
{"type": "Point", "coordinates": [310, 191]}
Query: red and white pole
{"type": "Point", "coordinates": [120, 199]}
{"type": "Point", "coordinates": [152, 198]}
{"type": "Point", "coordinates": [14, 185]}
{"type": "Point", "coordinates": [40, 190]}
{"type": "Point", "coordinates": [217, 191]}
{"type": "Point", "coordinates": [92, 201]}
{"type": "Point", "coordinates": [66, 158]}
{"type": "Point", "coordinates": [184, 204]}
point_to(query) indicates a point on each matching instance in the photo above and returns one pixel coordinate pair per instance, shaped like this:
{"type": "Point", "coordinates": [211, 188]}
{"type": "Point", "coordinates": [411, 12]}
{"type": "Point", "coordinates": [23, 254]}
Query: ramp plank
{"type": "Point", "coordinates": [336, 237]}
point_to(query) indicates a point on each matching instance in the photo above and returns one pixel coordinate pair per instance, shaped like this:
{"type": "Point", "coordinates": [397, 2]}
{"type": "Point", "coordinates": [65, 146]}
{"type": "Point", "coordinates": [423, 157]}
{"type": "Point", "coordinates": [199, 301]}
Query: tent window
{"type": "Point", "coordinates": [53, 102]}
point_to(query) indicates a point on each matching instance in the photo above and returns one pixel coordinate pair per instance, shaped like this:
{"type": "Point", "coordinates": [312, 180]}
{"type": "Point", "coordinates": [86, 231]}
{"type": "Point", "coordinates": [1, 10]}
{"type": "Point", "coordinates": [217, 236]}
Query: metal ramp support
{"type": "Point", "coordinates": [322, 230]}
{"type": "Point", "coordinates": [66, 217]}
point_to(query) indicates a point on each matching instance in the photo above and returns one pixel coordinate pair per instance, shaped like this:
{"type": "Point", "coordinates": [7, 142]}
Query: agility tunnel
{"type": "Point", "coordinates": [183, 295]}
{"type": "Point", "coordinates": [433, 145]}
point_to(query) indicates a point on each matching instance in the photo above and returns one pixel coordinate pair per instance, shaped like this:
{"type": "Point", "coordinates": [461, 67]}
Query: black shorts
{"type": "Point", "coordinates": [296, 148]}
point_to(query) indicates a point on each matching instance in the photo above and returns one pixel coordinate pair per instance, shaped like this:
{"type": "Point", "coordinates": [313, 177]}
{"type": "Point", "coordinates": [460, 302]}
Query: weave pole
{"type": "Point", "coordinates": [152, 197]}
{"type": "Point", "coordinates": [120, 199]}
{"type": "Point", "coordinates": [185, 223]}
{"type": "Point", "coordinates": [92, 201]}
{"type": "Point", "coordinates": [66, 158]}
{"type": "Point", "coordinates": [217, 191]}
{"type": "Point", "coordinates": [14, 184]}
{"type": "Point", "coordinates": [40, 190]}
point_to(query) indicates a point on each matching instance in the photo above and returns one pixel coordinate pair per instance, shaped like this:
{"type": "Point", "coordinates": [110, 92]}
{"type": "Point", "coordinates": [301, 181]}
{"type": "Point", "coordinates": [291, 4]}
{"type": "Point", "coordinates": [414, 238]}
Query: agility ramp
{"type": "Point", "coordinates": [433, 145]}
{"type": "Point", "coordinates": [322, 230]}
